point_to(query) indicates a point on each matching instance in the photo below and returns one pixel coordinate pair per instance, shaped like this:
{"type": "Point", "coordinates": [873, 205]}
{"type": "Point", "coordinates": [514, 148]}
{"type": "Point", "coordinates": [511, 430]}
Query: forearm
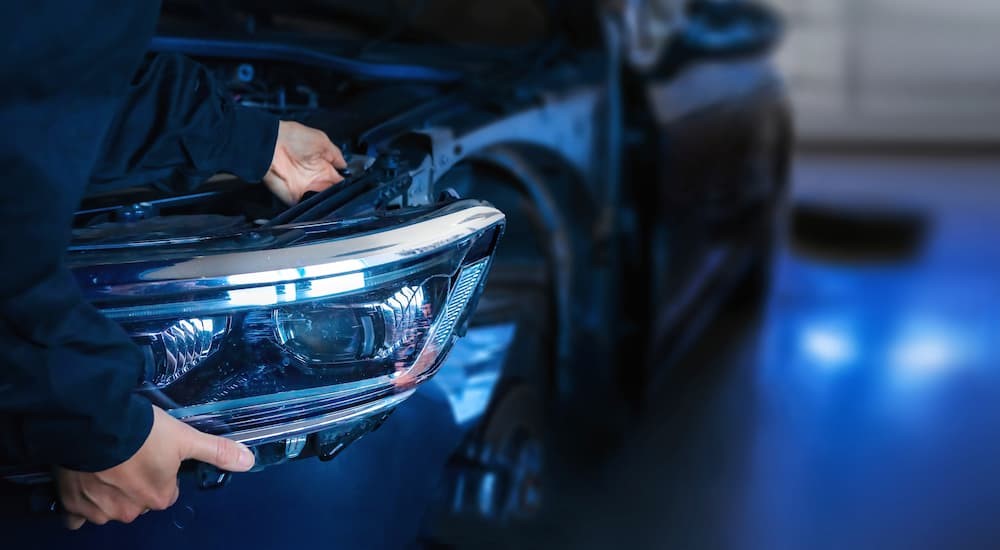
{"type": "Point", "coordinates": [177, 117]}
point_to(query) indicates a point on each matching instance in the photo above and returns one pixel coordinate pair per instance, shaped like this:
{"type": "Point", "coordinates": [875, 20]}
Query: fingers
{"type": "Point", "coordinates": [328, 151]}
{"type": "Point", "coordinates": [99, 506]}
{"type": "Point", "coordinates": [113, 505]}
{"type": "Point", "coordinates": [219, 452]}
{"type": "Point", "coordinates": [333, 176]}
{"type": "Point", "coordinates": [160, 499]}
{"type": "Point", "coordinates": [328, 178]}
{"type": "Point", "coordinates": [148, 479]}
{"type": "Point", "coordinates": [304, 160]}
{"type": "Point", "coordinates": [333, 155]}
{"type": "Point", "coordinates": [73, 521]}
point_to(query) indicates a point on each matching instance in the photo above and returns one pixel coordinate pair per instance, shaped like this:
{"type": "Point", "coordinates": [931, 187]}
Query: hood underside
{"type": "Point", "coordinates": [480, 22]}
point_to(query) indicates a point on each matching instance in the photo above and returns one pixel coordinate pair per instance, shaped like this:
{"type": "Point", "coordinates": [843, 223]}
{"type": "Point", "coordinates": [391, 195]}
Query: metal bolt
{"type": "Point", "coordinates": [244, 73]}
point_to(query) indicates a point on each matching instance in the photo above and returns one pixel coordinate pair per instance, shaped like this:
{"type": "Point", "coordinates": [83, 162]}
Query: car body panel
{"type": "Point", "coordinates": [547, 125]}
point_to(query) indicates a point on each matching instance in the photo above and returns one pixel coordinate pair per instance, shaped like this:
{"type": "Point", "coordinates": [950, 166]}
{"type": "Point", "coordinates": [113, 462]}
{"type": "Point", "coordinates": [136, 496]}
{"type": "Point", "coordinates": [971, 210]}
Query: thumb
{"type": "Point", "coordinates": [219, 452]}
{"type": "Point", "coordinates": [323, 181]}
{"type": "Point", "coordinates": [329, 177]}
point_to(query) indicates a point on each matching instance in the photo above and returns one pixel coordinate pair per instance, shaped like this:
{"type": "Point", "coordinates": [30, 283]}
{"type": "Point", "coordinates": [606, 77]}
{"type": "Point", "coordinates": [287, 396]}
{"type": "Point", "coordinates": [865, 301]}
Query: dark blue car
{"type": "Point", "coordinates": [537, 191]}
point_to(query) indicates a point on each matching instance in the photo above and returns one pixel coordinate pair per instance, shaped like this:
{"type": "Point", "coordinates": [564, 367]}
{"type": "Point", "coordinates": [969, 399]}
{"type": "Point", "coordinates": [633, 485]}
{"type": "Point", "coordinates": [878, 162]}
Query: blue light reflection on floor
{"type": "Point", "coordinates": [876, 396]}
{"type": "Point", "coordinates": [861, 409]}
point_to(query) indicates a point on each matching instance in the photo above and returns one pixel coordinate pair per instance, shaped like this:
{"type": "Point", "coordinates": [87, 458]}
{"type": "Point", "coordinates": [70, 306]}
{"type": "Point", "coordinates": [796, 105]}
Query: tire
{"type": "Point", "coordinates": [507, 447]}
{"type": "Point", "coordinates": [508, 457]}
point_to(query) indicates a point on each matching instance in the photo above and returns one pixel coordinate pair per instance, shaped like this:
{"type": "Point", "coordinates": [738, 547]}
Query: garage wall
{"type": "Point", "coordinates": [898, 70]}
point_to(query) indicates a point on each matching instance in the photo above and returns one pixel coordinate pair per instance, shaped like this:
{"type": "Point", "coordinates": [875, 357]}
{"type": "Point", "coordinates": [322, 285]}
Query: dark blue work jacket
{"type": "Point", "coordinates": [81, 104]}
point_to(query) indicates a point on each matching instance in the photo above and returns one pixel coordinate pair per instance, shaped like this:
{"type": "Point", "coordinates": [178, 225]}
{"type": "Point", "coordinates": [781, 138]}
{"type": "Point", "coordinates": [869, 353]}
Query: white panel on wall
{"type": "Point", "coordinates": [894, 69]}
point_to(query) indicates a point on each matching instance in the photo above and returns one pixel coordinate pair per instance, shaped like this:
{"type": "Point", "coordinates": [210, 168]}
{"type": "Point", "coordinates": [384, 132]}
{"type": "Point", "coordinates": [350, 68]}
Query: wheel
{"type": "Point", "coordinates": [504, 464]}
{"type": "Point", "coordinates": [495, 477]}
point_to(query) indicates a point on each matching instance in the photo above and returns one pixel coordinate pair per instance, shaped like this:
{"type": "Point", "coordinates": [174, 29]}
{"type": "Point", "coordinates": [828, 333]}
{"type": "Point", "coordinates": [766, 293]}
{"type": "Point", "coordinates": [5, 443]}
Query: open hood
{"type": "Point", "coordinates": [470, 22]}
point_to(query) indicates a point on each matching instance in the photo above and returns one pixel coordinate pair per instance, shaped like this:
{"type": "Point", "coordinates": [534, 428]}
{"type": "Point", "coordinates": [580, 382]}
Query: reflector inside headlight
{"type": "Point", "coordinates": [389, 328]}
{"type": "Point", "coordinates": [268, 344]}
{"type": "Point", "coordinates": [175, 347]}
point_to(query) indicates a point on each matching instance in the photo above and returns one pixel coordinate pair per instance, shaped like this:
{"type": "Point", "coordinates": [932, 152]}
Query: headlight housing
{"type": "Point", "coordinates": [271, 344]}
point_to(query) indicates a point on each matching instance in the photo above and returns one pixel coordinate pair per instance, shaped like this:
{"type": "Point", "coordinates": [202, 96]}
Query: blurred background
{"type": "Point", "coordinates": [860, 407]}
{"type": "Point", "coordinates": [893, 71]}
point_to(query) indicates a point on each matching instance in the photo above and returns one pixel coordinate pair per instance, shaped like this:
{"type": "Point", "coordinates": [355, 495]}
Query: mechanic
{"type": "Point", "coordinates": [82, 105]}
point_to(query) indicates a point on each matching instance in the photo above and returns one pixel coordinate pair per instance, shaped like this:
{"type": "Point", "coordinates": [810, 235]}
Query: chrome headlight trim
{"type": "Point", "coordinates": [277, 432]}
{"type": "Point", "coordinates": [340, 266]}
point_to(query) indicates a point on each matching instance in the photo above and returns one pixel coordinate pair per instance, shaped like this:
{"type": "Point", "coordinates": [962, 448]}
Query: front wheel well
{"type": "Point", "coordinates": [549, 215]}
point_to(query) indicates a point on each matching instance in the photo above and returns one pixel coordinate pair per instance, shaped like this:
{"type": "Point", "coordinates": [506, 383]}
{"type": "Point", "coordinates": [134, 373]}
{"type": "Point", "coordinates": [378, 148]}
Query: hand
{"type": "Point", "coordinates": [148, 480]}
{"type": "Point", "coordinates": [304, 160]}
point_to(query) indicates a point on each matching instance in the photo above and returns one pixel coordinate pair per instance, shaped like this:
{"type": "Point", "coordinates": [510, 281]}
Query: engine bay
{"type": "Point", "coordinates": [180, 208]}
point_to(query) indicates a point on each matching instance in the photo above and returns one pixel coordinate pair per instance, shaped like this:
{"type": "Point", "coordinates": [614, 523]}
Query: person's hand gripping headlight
{"type": "Point", "coordinates": [148, 480]}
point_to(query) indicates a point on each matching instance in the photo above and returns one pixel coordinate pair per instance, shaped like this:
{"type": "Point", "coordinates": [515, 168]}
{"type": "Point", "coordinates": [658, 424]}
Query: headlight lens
{"type": "Point", "coordinates": [389, 328]}
{"type": "Point", "coordinates": [265, 345]}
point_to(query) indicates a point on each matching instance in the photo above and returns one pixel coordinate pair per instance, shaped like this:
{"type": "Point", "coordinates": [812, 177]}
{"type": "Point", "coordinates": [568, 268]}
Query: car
{"type": "Point", "coordinates": [572, 187]}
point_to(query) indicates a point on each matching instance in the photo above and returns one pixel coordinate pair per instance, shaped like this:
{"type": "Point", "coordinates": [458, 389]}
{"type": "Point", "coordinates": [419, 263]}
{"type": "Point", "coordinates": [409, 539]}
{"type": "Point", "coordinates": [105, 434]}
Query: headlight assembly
{"type": "Point", "coordinates": [272, 344]}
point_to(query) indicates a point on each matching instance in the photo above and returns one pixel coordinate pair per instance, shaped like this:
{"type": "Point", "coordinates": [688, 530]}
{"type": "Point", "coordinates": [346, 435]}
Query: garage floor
{"type": "Point", "coordinates": [860, 409]}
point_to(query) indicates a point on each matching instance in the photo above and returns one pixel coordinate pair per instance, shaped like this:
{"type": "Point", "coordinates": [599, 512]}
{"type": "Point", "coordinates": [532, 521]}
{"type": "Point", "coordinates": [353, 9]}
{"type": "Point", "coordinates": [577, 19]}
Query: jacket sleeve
{"type": "Point", "coordinates": [178, 118]}
{"type": "Point", "coordinates": [67, 373]}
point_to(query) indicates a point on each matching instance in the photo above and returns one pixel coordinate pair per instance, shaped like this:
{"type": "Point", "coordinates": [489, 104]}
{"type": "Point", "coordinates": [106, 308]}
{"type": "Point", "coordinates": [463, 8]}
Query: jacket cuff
{"type": "Point", "coordinates": [250, 150]}
{"type": "Point", "coordinates": [140, 423]}
{"type": "Point", "coordinates": [100, 450]}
